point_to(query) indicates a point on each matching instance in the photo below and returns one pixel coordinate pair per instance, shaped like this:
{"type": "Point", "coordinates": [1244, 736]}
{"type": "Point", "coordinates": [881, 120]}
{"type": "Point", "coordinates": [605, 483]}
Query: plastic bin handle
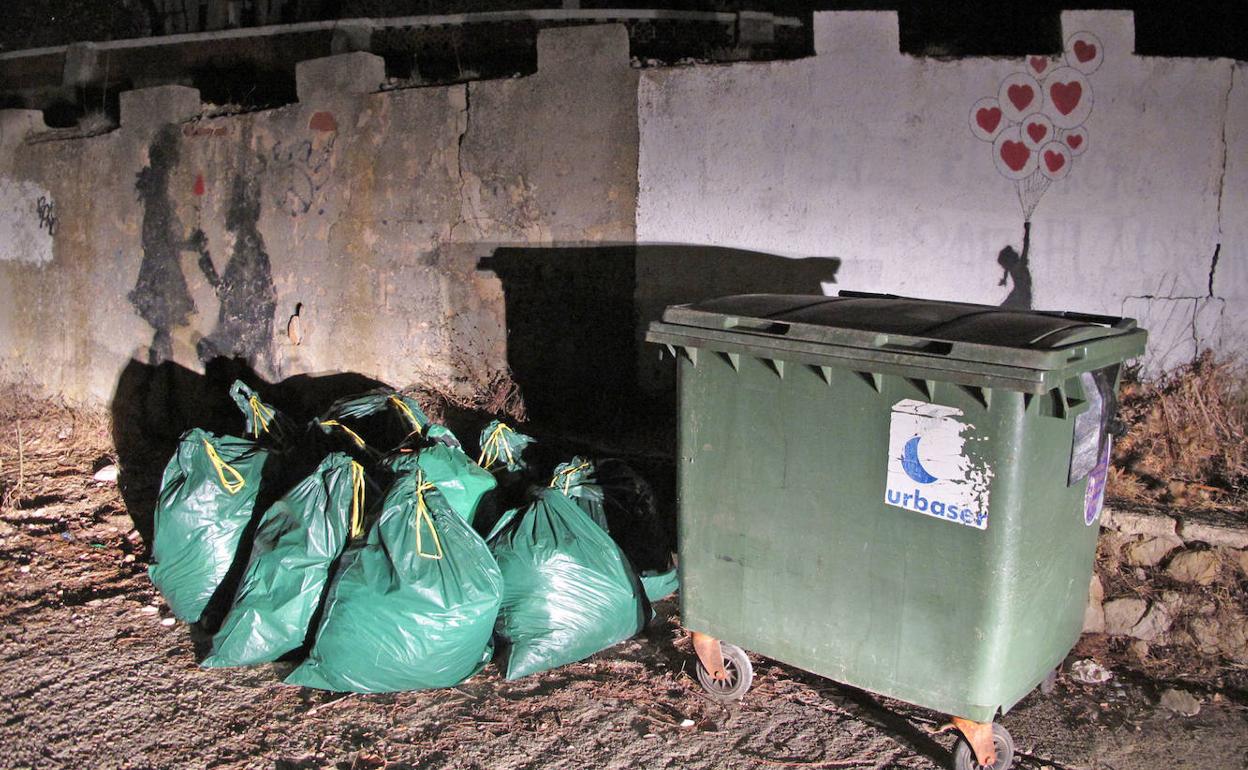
{"type": "Point", "coordinates": [761, 325]}
{"type": "Point", "coordinates": [1114, 322]}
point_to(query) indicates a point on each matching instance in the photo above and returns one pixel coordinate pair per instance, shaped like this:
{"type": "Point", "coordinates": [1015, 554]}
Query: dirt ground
{"type": "Point", "coordinates": [94, 673]}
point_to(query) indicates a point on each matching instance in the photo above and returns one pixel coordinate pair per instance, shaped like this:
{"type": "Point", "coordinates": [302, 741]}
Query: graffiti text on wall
{"type": "Point", "coordinates": [27, 222]}
{"type": "Point", "coordinates": [46, 210]}
{"type": "Point", "coordinates": [306, 164]}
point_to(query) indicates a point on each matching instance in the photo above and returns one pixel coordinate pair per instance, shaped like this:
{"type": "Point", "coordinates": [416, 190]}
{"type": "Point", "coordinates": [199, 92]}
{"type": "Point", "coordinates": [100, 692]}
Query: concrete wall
{"type": "Point", "coordinates": [443, 235]}
{"type": "Point", "coordinates": [341, 233]}
{"type": "Point", "coordinates": [872, 158]}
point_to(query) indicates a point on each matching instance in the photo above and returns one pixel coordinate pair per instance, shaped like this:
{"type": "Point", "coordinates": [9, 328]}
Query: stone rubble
{"type": "Point", "coordinates": [1189, 572]}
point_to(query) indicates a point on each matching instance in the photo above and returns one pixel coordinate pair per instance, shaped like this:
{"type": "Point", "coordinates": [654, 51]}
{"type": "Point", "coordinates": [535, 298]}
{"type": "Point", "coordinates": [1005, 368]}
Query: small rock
{"type": "Point", "coordinates": [1173, 601]}
{"type": "Point", "coordinates": [95, 602]}
{"type": "Point", "coordinates": [1205, 633]}
{"type": "Point", "coordinates": [1233, 638]}
{"type": "Point", "coordinates": [1121, 615]}
{"type": "Point", "coordinates": [1134, 523]}
{"type": "Point", "coordinates": [129, 558]}
{"type": "Point", "coordinates": [1151, 550]}
{"type": "Point", "coordinates": [687, 723]}
{"type": "Point", "coordinates": [1139, 648]}
{"type": "Point", "coordinates": [107, 474]}
{"type": "Point", "coordinates": [1153, 626]}
{"type": "Point", "coordinates": [149, 610]}
{"type": "Point", "coordinates": [1241, 559]}
{"type": "Point", "coordinates": [1089, 671]}
{"type": "Point", "coordinates": [1200, 567]}
{"type": "Point", "coordinates": [24, 569]}
{"type": "Point", "coordinates": [1180, 702]}
{"type": "Point", "coordinates": [1093, 612]}
{"type": "Point", "coordinates": [1228, 537]}
{"type": "Point", "coordinates": [167, 621]}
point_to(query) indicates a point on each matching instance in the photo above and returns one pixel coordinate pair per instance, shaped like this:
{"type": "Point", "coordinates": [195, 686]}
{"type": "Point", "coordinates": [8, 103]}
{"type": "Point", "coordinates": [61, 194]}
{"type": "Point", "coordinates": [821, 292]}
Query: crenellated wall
{"type": "Point", "coordinates": [426, 235]}
{"type": "Point", "coordinates": [341, 233]}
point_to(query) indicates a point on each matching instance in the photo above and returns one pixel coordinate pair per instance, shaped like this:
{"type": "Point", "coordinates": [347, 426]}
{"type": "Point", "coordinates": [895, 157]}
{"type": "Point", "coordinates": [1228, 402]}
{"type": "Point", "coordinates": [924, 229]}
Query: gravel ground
{"type": "Point", "coordinates": [95, 673]}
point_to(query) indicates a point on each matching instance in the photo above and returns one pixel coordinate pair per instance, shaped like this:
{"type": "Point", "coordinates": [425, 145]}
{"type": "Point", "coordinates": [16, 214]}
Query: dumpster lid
{"type": "Point", "coordinates": [890, 314]}
{"type": "Point", "coordinates": [874, 324]}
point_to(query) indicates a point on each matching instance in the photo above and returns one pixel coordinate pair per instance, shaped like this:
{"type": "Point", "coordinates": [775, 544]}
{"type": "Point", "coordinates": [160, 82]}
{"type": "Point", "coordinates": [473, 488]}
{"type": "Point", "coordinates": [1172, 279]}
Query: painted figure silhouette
{"type": "Point", "coordinates": [160, 295]}
{"type": "Point", "coordinates": [245, 288]}
{"type": "Point", "coordinates": [1017, 270]}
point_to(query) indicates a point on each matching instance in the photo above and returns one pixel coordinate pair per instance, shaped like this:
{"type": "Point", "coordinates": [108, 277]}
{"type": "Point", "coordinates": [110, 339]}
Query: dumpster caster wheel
{"type": "Point", "coordinates": [964, 757]}
{"type": "Point", "coordinates": [738, 675]}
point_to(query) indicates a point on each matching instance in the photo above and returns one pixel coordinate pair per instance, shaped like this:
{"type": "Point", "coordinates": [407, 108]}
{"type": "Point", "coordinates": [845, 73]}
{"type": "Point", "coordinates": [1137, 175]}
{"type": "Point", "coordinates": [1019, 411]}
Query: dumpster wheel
{"type": "Point", "coordinates": [964, 756]}
{"type": "Point", "coordinates": [738, 675]}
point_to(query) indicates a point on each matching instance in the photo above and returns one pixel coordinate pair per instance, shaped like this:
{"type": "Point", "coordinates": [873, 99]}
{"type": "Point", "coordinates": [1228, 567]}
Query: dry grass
{"type": "Point", "coordinates": [1187, 437]}
{"type": "Point", "coordinates": [43, 442]}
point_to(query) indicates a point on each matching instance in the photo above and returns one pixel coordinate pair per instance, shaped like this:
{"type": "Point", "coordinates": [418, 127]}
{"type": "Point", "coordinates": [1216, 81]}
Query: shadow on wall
{"type": "Point", "coordinates": [577, 315]}
{"type": "Point", "coordinates": [678, 274]}
{"type": "Point", "coordinates": [153, 404]}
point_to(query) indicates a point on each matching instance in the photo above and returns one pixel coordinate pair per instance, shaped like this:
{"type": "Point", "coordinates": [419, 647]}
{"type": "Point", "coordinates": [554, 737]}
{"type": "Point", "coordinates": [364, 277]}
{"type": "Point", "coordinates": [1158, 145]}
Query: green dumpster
{"type": "Point", "coordinates": [898, 494]}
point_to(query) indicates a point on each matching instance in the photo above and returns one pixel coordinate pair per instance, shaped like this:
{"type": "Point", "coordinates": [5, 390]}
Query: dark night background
{"type": "Point", "coordinates": [979, 27]}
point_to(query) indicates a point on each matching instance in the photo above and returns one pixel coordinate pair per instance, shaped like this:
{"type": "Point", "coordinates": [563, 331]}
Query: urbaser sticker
{"type": "Point", "coordinates": [931, 468]}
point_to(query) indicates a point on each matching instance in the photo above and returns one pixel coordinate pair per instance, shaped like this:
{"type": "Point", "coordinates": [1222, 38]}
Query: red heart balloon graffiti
{"type": "Point", "coordinates": [1036, 131]}
{"type": "Point", "coordinates": [1020, 96]}
{"type": "Point", "coordinates": [1038, 63]}
{"type": "Point", "coordinates": [1074, 140]}
{"type": "Point", "coordinates": [988, 118]}
{"type": "Point", "coordinates": [1015, 154]}
{"type": "Point", "coordinates": [1066, 96]}
{"type": "Point", "coordinates": [1084, 52]}
{"type": "Point", "coordinates": [1053, 160]}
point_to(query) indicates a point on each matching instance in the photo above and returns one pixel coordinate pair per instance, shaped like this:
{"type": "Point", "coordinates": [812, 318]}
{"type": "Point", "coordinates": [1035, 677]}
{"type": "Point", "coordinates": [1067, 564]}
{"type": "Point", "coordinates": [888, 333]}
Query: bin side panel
{"type": "Point", "coordinates": [788, 549]}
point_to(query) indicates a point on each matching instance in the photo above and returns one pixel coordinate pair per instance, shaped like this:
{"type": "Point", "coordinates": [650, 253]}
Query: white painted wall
{"type": "Point", "coordinates": [865, 154]}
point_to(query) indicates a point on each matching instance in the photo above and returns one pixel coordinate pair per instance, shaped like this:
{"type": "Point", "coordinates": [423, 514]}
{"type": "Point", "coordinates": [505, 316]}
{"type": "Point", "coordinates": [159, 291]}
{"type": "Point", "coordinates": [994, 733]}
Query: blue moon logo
{"type": "Point", "coordinates": [911, 465]}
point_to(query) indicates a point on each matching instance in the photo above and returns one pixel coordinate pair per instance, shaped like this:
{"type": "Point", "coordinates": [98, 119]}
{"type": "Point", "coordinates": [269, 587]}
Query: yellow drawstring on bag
{"type": "Point", "coordinates": [354, 436]}
{"type": "Point", "coordinates": [407, 412]}
{"type": "Point", "coordinates": [422, 513]}
{"type": "Point", "coordinates": [357, 499]}
{"type": "Point", "coordinates": [222, 467]}
{"type": "Point", "coordinates": [566, 475]}
{"type": "Point", "coordinates": [490, 453]}
{"type": "Point", "coordinates": [260, 416]}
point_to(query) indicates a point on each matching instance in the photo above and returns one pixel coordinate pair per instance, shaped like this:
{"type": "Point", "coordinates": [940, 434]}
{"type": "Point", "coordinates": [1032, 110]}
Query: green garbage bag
{"type": "Point", "coordinates": [460, 481]}
{"type": "Point", "coordinates": [263, 422]}
{"type": "Point", "coordinates": [576, 480]}
{"type": "Point", "coordinates": [626, 501]}
{"type": "Point", "coordinates": [500, 443]}
{"type": "Point", "coordinates": [380, 418]}
{"type": "Point", "coordinates": [412, 607]}
{"type": "Point", "coordinates": [569, 591]}
{"type": "Point", "coordinates": [207, 496]}
{"type": "Point", "coordinates": [660, 585]}
{"type": "Point", "coordinates": [296, 543]}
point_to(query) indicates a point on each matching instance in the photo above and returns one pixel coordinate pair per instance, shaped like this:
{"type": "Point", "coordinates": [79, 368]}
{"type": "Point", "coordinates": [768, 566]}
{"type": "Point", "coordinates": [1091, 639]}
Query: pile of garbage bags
{"type": "Point", "coordinates": [370, 550]}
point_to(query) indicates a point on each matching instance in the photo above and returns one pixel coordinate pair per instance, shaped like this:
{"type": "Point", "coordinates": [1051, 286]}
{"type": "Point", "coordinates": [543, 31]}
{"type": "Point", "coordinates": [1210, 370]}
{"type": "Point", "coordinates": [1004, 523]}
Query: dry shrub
{"type": "Point", "coordinates": [500, 398]}
{"type": "Point", "coordinates": [1187, 436]}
